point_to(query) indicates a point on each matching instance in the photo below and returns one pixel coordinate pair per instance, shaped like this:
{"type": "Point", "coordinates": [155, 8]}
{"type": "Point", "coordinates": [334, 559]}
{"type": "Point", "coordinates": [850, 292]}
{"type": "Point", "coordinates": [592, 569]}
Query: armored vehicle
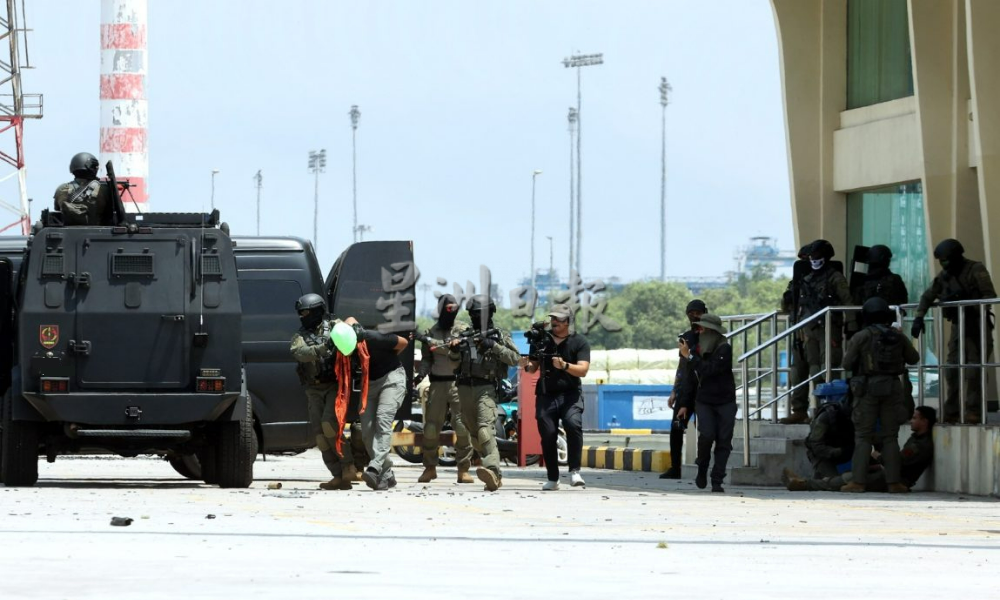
{"type": "Point", "coordinates": [125, 337]}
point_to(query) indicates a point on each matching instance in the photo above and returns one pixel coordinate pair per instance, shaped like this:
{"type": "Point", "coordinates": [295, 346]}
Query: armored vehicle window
{"type": "Point", "coordinates": [54, 264]}
{"type": "Point", "coordinates": [211, 265]}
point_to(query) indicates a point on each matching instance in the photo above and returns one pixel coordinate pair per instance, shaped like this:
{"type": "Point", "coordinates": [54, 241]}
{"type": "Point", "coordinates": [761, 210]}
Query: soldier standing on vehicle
{"type": "Point", "coordinates": [442, 394]}
{"type": "Point", "coordinates": [824, 286]}
{"type": "Point", "coordinates": [961, 279]}
{"type": "Point", "coordinates": [85, 200]}
{"type": "Point", "coordinates": [484, 354]}
{"type": "Point", "coordinates": [559, 396]}
{"type": "Point", "coordinates": [876, 357]}
{"type": "Point", "coordinates": [314, 350]}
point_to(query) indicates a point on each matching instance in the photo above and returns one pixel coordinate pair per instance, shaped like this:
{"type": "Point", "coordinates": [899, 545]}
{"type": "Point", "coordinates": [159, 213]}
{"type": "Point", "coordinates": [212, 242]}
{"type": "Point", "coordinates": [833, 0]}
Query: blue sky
{"type": "Point", "coordinates": [460, 102]}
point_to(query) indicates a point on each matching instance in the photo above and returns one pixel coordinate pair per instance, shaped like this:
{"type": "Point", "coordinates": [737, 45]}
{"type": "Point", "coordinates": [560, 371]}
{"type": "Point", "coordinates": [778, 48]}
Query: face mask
{"type": "Point", "coordinates": [447, 318]}
{"type": "Point", "coordinates": [817, 264]}
{"type": "Point", "coordinates": [311, 320]}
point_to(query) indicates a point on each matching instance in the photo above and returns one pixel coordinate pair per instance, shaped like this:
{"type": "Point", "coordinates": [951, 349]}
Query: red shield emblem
{"type": "Point", "coordinates": [48, 335]}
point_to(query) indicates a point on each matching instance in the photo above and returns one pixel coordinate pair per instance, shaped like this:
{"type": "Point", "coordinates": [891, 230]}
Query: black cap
{"type": "Point", "coordinates": [696, 304]}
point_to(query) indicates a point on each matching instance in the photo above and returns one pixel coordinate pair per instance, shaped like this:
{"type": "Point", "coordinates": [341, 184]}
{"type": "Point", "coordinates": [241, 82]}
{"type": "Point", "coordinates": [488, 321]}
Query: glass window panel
{"type": "Point", "coordinates": [879, 66]}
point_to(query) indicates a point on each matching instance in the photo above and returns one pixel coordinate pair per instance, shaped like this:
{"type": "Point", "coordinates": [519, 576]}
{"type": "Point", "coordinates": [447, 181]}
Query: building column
{"type": "Point", "coordinates": [812, 49]}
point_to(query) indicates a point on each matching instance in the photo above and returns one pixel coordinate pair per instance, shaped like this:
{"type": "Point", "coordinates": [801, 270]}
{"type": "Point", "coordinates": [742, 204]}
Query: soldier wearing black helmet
{"type": "Point", "coordinates": [85, 200]}
{"type": "Point", "coordinates": [876, 357]}
{"type": "Point", "coordinates": [824, 286]}
{"type": "Point", "coordinates": [683, 392]}
{"type": "Point", "coordinates": [880, 281]}
{"type": "Point", "coordinates": [960, 279]}
{"type": "Point", "coordinates": [315, 353]}
{"type": "Point", "coordinates": [484, 353]}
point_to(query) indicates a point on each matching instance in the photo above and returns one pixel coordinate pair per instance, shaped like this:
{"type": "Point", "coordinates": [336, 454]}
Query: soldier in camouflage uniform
{"type": "Point", "coordinates": [85, 200]}
{"type": "Point", "coordinates": [882, 283]}
{"type": "Point", "coordinates": [443, 394]}
{"type": "Point", "coordinates": [314, 351]}
{"type": "Point", "coordinates": [961, 279]}
{"type": "Point", "coordinates": [917, 454]}
{"type": "Point", "coordinates": [484, 354]}
{"type": "Point", "coordinates": [823, 287]}
{"type": "Point", "coordinates": [876, 357]}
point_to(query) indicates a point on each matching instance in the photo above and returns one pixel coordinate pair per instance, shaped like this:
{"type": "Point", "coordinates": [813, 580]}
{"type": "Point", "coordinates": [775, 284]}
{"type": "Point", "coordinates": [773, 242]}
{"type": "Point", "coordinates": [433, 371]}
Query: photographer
{"type": "Point", "coordinates": [564, 358]}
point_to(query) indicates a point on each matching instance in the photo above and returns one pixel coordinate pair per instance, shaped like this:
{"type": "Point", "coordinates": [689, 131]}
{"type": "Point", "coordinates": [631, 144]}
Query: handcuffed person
{"type": "Point", "coordinates": [563, 360]}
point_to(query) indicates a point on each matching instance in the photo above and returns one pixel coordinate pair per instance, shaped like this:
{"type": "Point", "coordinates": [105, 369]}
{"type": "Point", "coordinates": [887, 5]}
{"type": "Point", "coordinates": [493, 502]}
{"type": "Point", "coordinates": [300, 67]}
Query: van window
{"type": "Point", "coordinates": [269, 310]}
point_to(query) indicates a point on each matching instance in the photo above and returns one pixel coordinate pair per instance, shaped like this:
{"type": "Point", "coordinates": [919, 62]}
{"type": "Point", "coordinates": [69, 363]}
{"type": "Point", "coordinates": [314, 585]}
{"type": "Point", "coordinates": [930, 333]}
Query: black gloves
{"type": "Point", "coordinates": [359, 331]}
{"type": "Point", "coordinates": [417, 379]}
{"type": "Point", "coordinates": [918, 327]}
{"type": "Point", "coordinates": [487, 343]}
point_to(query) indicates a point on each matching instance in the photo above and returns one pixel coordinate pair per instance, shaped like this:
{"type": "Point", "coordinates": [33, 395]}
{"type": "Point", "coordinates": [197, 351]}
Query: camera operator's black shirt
{"type": "Point", "coordinates": [573, 349]}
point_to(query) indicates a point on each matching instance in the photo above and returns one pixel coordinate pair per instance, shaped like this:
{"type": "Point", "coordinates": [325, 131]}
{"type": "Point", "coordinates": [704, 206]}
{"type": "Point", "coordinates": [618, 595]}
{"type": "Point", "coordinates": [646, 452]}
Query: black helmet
{"type": "Point", "coordinates": [475, 304]}
{"type": "Point", "coordinates": [804, 251]}
{"type": "Point", "coordinates": [876, 311]}
{"type": "Point", "coordinates": [310, 302]}
{"type": "Point", "coordinates": [879, 256]}
{"type": "Point", "coordinates": [84, 165]}
{"type": "Point", "coordinates": [949, 249]}
{"type": "Point", "coordinates": [821, 249]}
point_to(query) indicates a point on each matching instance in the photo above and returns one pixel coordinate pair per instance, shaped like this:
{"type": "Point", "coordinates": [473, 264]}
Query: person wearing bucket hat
{"type": "Point", "coordinates": [314, 349]}
{"type": "Point", "coordinates": [711, 362]}
{"type": "Point", "coordinates": [695, 309]}
{"type": "Point", "coordinates": [559, 395]}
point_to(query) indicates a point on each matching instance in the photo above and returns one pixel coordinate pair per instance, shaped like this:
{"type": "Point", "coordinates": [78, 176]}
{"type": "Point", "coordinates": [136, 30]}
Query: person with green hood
{"type": "Point", "coordinates": [711, 362]}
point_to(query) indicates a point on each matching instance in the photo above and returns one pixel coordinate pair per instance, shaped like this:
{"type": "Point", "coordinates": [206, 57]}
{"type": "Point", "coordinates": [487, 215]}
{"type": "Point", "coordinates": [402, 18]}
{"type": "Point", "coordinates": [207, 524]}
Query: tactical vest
{"type": "Point", "coordinates": [322, 371]}
{"type": "Point", "coordinates": [959, 287]}
{"type": "Point", "coordinates": [483, 367]}
{"type": "Point", "coordinates": [888, 288]}
{"type": "Point", "coordinates": [816, 292]}
{"type": "Point", "coordinates": [884, 353]}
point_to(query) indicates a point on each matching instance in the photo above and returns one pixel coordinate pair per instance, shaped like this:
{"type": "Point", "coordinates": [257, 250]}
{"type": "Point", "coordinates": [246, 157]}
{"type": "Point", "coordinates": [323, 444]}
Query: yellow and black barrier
{"type": "Point", "coordinates": [625, 459]}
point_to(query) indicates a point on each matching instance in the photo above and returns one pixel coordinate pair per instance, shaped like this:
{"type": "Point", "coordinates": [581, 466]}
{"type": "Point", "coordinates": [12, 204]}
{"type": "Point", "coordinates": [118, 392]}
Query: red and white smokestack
{"type": "Point", "coordinates": [124, 108]}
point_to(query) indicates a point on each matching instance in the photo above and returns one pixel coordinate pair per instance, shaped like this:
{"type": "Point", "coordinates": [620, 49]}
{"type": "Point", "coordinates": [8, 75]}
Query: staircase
{"type": "Point", "coordinates": [773, 447]}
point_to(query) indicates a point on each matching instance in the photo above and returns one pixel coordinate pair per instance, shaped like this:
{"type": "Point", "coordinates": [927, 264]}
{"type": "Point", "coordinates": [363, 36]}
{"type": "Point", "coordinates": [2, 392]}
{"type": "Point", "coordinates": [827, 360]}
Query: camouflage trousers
{"type": "Point", "coordinates": [479, 413]}
{"type": "Point", "coordinates": [323, 427]}
{"type": "Point", "coordinates": [814, 354]}
{"type": "Point", "coordinates": [970, 377]}
{"type": "Point", "coordinates": [443, 395]}
{"type": "Point", "coordinates": [885, 409]}
{"type": "Point", "coordinates": [875, 482]}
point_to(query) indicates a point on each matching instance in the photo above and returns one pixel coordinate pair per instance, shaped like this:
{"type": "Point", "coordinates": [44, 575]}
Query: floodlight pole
{"type": "Point", "coordinates": [577, 61]}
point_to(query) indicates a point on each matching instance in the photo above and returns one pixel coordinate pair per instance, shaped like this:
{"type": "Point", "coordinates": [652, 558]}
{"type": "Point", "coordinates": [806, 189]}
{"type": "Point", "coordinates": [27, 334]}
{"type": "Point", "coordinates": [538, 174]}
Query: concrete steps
{"type": "Point", "coordinates": [773, 447]}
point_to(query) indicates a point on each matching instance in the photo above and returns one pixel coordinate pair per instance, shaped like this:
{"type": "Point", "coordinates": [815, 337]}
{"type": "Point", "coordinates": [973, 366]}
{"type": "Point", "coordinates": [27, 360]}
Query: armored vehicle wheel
{"type": "Point", "coordinates": [235, 451]}
{"type": "Point", "coordinates": [18, 448]}
{"type": "Point", "coordinates": [187, 465]}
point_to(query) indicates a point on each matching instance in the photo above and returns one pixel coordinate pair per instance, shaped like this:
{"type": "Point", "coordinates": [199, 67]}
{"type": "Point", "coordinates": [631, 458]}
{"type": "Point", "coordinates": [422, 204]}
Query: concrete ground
{"type": "Point", "coordinates": [626, 535]}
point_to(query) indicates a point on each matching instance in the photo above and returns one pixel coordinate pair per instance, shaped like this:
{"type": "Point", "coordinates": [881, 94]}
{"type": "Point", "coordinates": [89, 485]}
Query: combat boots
{"type": "Point", "coordinates": [464, 477]}
{"type": "Point", "coordinates": [337, 483]}
{"type": "Point", "coordinates": [351, 474]}
{"type": "Point", "coordinates": [853, 488]}
{"type": "Point", "coordinates": [429, 475]}
{"type": "Point", "coordinates": [795, 418]}
{"type": "Point", "coordinates": [490, 477]}
{"type": "Point", "coordinates": [793, 483]}
{"type": "Point", "coordinates": [898, 488]}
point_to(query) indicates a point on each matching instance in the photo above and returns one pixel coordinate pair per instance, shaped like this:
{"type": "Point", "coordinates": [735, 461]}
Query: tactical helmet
{"type": "Point", "coordinates": [879, 255]}
{"type": "Point", "coordinates": [310, 302]}
{"type": "Point", "coordinates": [804, 251]}
{"type": "Point", "coordinates": [84, 165]}
{"type": "Point", "coordinates": [821, 249]}
{"type": "Point", "coordinates": [475, 304]}
{"type": "Point", "coordinates": [949, 249]}
{"type": "Point", "coordinates": [876, 311]}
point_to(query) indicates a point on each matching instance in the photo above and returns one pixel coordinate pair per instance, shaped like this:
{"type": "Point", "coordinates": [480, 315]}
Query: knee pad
{"type": "Point", "coordinates": [322, 444]}
{"type": "Point", "coordinates": [484, 435]}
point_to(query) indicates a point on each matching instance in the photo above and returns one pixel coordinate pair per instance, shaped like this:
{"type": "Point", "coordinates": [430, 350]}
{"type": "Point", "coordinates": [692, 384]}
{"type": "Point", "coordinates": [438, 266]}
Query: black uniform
{"type": "Point", "coordinates": [562, 400]}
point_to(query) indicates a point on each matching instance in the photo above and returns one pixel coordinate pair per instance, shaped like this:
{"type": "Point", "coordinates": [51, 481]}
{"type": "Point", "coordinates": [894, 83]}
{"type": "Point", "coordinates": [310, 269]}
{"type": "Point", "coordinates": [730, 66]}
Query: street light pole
{"type": "Point", "coordinates": [551, 273]}
{"type": "Point", "coordinates": [317, 165]}
{"type": "Point", "coordinates": [572, 187]}
{"type": "Point", "coordinates": [665, 90]}
{"type": "Point", "coordinates": [259, 178]}
{"type": "Point", "coordinates": [355, 117]}
{"type": "Point", "coordinates": [214, 173]}
{"type": "Point", "coordinates": [577, 61]}
{"type": "Point", "coordinates": [534, 176]}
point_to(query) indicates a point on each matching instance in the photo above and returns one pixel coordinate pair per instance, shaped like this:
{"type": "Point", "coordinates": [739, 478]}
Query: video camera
{"type": "Point", "coordinates": [540, 343]}
{"type": "Point", "coordinates": [690, 338]}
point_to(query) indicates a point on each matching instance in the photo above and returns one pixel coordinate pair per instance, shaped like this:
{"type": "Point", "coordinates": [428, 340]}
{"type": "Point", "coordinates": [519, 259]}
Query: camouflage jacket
{"type": "Point", "coordinates": [972, 283]}
{"type": "Point", "coordinates": [314, 355]}
{"type": "Point", "coordinates": [491, 364]}
{"type": "Point", "coordinates": [82, 201]}
{"type": "Point", "coordinates": [831, 434]}
{"type": "Point", "coordinates": [819, 289]}
{"type": "Point", "coordinates": [434, 358]}
{"type": "Point", "coordinates": [879, 350]}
